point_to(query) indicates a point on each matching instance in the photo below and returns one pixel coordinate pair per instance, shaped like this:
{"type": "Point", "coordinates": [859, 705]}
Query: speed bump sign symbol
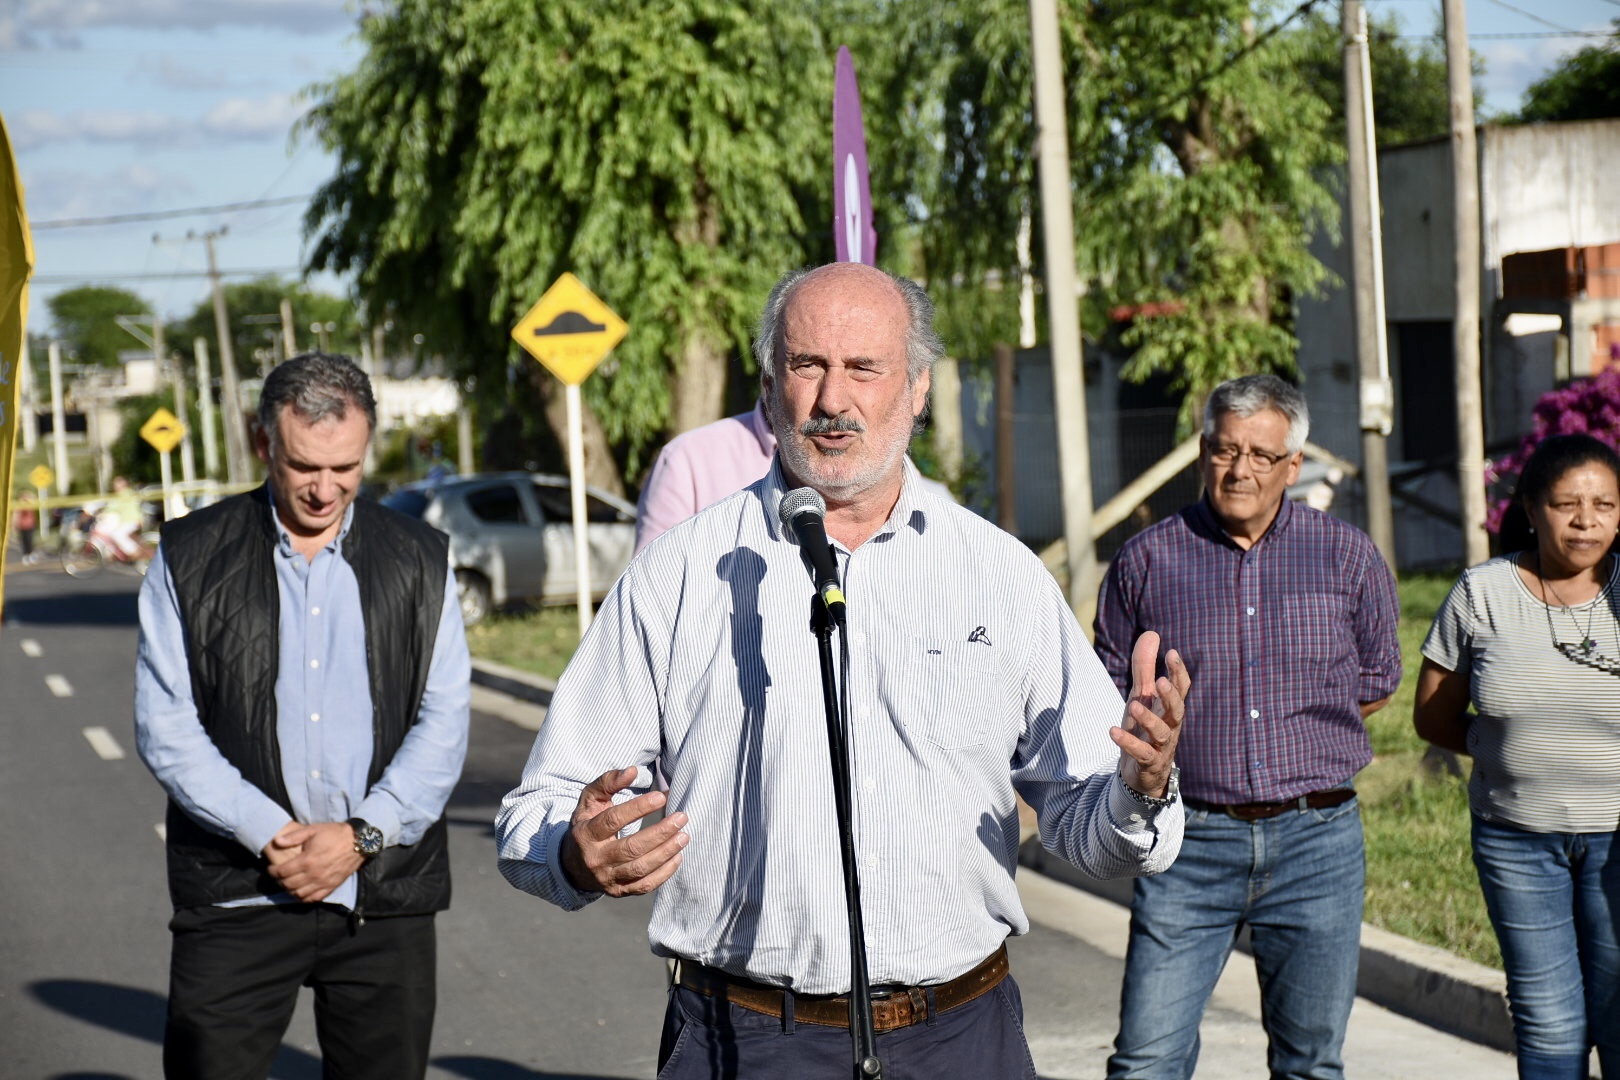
{"type": "Point", "coordinates": [163, 430]}
{"type": "Point", "coordinates": [570, 330]}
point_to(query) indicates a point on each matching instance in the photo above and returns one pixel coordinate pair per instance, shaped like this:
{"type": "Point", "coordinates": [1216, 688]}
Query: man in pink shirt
{"type": "Point", "coordinates": [703, 466]}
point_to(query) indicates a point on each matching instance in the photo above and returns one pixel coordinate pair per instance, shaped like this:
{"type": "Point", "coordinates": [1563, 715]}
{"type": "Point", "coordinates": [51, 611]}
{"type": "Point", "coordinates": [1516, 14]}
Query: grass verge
{"type": "Point", "coordinates": [1420, 877]}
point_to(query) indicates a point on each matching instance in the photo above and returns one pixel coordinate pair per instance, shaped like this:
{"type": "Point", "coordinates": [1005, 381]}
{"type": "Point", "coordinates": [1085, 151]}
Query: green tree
{"type": "Point", "coordinates": [85, 318]}
{"type": "Point", "coordinates": [666, 152]}
{"type": "Point", "coordinates": [1410, 96]}
{"type": "Point", "coordinates": [1584, 86]}
{"type": "Point", "coordinates": [1197, 143]}
{"type": "Point", "coordinates": [254, 308]}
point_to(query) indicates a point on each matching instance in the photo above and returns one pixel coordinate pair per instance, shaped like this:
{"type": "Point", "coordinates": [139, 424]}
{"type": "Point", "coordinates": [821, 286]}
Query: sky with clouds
{"type": "Point", "coordinates": [135, 106]}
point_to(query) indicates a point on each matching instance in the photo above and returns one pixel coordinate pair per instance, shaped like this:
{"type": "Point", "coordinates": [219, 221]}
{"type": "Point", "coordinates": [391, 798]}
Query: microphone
{"type": "Point", "coordinates": [804, 517]}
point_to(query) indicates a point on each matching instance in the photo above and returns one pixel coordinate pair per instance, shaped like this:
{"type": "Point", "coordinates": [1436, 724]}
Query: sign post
{"type": "Point", "coordinates": [163, 430]}
{"type": "Point", "coordinates": [41, 477]}
{"type": "Point", "coordinates": [570, 331]}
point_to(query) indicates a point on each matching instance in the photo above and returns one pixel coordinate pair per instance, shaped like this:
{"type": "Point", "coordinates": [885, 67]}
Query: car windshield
{"type": "Point", "coordinates": [410, 503]}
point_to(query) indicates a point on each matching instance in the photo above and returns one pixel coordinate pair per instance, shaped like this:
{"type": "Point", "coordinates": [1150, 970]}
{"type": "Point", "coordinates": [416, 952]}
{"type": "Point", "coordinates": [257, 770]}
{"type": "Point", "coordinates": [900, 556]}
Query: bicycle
{"type": "Point", "coordinates": [87, 549]}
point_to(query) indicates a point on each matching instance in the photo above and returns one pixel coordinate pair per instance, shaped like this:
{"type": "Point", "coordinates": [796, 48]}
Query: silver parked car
{"type": "Point", "coordinates": [512, 536]}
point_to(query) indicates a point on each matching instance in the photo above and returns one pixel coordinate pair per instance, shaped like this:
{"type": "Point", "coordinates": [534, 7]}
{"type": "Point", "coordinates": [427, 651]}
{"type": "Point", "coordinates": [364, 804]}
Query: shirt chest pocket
{"type": "Point", "coordinates": [1316, 629]}
{"type": "Point", "coordinates": [950, 692]}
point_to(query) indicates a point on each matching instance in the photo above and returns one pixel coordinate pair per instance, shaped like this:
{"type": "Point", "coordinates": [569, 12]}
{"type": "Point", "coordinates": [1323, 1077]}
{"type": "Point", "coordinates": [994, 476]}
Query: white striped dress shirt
{"type": "Point", "coordinates": [970, 679]}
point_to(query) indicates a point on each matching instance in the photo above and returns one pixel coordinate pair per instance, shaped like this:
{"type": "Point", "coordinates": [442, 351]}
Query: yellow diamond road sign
{"type": "Point", "coordinates": [42, 476]}
{"type": "Point", "coordinates": [570, 330]}
{"type": "Point", "coordinates": [163, 430]}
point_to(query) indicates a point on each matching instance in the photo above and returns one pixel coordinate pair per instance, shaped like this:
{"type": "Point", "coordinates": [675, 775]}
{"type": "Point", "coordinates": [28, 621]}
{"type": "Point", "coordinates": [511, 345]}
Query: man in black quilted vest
{"type": "Point", "coordinates": [301, 694]}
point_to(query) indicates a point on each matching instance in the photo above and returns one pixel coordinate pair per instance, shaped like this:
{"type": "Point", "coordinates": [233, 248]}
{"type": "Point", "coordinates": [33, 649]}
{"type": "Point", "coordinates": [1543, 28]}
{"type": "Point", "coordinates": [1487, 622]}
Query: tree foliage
{"type": "Point", "coordinates": [1411, 99]}
{"type": "Point", "coordinates": [1584, 86]}
{"type": "Point", "coordinates": [665, 152]}
{"type": "Point", "coordinates": [86, 320]}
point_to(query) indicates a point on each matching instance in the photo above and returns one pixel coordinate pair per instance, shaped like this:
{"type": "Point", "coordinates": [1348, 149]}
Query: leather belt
{"type": "Point", "coordinates": [901, 1008]}
{"type": "Point", "coordinates": [1259, 811]}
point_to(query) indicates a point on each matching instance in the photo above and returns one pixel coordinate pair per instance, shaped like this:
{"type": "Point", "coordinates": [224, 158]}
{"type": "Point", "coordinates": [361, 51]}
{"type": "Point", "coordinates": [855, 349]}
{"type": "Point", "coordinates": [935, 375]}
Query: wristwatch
{"type": "Point", "coordinates": [1172, 792]}
{"type": "Point", "coordinates": [368, 839]}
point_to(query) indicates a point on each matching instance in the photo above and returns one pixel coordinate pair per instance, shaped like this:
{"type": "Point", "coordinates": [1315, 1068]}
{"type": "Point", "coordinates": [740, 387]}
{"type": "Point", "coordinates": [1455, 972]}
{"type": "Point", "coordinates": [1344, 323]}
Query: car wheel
{"type": "Point", "coordinates": [473, 592]}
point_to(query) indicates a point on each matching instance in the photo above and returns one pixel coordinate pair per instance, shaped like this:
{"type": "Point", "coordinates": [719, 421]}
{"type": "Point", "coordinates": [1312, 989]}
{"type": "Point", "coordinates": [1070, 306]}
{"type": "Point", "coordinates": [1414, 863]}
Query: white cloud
{"type": "Point", "coordinates": [31, 22]}
{"type": "Point", "coordinates": [167, 72]}
{"type": "Point", "coordinates": [234, 119]}
{"type": "Point", "coordinates": [66, 193]}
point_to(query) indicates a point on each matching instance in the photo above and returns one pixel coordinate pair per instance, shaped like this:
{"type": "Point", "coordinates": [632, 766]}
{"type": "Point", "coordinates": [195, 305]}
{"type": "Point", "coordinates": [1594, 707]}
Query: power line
{"type": "Point", "coordinates": [156, 215]}
{"type": "Point", "coordinates": [1530, 15]}
{"type": "Point", "coordinates": [1517, 37]}
{"type": "Point", "coordinates": [163, 275]}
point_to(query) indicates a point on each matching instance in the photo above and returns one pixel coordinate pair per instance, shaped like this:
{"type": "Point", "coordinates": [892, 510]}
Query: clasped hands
{"type": "Point", "coordinates": [310, 861]}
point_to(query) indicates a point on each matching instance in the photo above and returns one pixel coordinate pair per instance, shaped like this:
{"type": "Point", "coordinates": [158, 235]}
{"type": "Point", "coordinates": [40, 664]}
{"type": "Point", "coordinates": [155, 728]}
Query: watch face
{"type": "Point", "coordinates": [368, 839]}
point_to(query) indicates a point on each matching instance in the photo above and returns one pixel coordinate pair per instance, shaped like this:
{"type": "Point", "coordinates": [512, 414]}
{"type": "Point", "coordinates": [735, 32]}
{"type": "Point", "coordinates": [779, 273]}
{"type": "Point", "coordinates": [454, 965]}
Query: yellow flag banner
{"type": "Point", "coordinates": [16, 263]}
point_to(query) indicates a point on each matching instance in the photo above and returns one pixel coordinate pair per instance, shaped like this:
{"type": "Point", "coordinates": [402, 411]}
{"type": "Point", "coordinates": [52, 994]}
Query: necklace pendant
{"type": "Point", "coordinates": [1587, 645]}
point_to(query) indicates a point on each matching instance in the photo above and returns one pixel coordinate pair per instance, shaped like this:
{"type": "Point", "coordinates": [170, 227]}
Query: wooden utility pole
{"type": "Point", "coordinates": [177, 378]}
{"type": "Point", "coordinates": [1367, 266]}
{"type": "Point", "coordinates": [289, 340]}
{"type": "Point", "coordinates": [237, 468]}
{"type": "Point", "coordinates": [1063, 315]}
{"type": "Point", "coordinates": [1465, 327]}
{"type": "Point", "coordinates": [58, 420]}
{"type": "Point", "coordinates": [1006, 480]}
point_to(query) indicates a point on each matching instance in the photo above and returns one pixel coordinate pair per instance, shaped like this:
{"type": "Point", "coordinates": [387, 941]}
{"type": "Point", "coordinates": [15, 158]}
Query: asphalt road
{"type": "Point", "coordinates": [526, 992]}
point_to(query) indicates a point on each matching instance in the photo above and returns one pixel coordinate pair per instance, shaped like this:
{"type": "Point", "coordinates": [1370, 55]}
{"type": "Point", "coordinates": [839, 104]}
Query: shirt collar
{"type": "Point", "coordinates": [910, 509]}
{"type": "Point", "coordinates": [284, 538]}
{"type": "Point", "coordinates": [1205, 515]}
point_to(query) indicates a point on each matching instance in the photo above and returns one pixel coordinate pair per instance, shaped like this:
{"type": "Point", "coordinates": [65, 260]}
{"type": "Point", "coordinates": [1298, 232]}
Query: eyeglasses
{"type": "Point", "coordinates": [1259, 460]}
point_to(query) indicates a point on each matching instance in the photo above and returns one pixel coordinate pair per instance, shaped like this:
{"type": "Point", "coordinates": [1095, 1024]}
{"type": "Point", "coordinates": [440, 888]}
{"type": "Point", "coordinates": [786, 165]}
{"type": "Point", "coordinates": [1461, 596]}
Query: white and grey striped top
{"type": "Point", "coordinates": [1546, 743]}
{"type": "Point", "coordinates": [969, 678]}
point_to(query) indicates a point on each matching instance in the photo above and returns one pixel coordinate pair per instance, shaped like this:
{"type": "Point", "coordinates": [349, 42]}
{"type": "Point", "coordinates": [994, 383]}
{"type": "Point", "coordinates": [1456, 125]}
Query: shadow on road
{"type": "Point", "coordinates": [483, 1068]}
{"type": "Point", "coordinates": [140, 1013]}
{"type": "Point", "coordinates": [78, 609]}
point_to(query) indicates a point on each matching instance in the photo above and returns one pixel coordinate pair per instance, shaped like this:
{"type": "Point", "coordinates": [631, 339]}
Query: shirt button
{"type": "Point", "coordinates": [1254, 714]}
{"type": "Point", "coordinates": [314, 663]}
{"type": "Point", "coordinates": [1251, 611]}
{"type": "Point", "coordinates": [315, 717]}
{"type": "Point", "coordinates": [316, 773]}
{"type": "Point", "coordinates": [871, 862]}
{"type": "Point", "coordinates": [314, 611]}
{"type": "Point", "coordinates": [869, 784]}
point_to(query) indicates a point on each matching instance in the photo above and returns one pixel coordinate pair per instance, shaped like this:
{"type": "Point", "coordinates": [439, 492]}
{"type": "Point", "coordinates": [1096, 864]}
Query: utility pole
{"type": "Point", "coordinates": [1367, 265]}
{"type": "Point", "coordinates": [58, 419]}
{"type": "Point", "coordinates": [30, 398]}
{"type": "Point", "coordinates": [1465, 327]}
{"type": "Point", "coordinates": [1063, 316]}
{"type": "Point", "coordinates": [205, 407]}
{"type": "Point", "coordinates": [289, 341]}
{"type": "Point", "coordinates": [177, 379]}
{"type": "Point", "coordinates": [237, 468]}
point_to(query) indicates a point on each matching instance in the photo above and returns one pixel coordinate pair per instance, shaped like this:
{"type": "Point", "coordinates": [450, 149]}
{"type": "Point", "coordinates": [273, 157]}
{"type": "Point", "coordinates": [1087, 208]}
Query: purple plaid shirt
{"type": "Point", "coordinates": [1283, 641]}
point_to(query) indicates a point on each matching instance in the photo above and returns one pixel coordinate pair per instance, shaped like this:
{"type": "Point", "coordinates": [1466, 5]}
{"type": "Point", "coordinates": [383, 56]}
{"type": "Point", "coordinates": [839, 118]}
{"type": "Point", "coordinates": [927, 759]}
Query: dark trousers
{"type": "Point", "coordinates": [234, 976]}
{"type": "Point", "coordinates": [709, 1039]}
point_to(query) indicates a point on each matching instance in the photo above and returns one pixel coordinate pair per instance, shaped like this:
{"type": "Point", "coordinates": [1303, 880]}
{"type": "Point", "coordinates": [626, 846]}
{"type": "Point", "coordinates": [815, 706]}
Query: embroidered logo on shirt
{"type": "Point", "coordinates": [979, 635]}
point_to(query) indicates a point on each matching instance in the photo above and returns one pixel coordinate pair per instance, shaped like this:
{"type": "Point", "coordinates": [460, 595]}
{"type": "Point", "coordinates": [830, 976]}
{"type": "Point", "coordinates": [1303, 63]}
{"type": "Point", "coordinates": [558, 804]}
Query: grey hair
{"type": "Point", "coordinates": [316, 386]}
{"type": "Point", "coordinates": [923, 343]}
{"type": "Point", "coordinates": [1251, 394]}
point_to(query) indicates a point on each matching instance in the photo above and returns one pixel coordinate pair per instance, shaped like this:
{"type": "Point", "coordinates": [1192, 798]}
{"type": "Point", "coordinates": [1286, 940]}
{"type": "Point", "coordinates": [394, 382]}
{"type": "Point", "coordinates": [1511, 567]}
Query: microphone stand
{"type": "Point", "coordinates": [861, 1028]}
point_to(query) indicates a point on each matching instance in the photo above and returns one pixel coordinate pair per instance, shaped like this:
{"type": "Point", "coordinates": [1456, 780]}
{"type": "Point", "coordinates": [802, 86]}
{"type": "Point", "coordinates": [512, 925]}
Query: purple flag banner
{"type": "Point", "coordinates": [853, 231]}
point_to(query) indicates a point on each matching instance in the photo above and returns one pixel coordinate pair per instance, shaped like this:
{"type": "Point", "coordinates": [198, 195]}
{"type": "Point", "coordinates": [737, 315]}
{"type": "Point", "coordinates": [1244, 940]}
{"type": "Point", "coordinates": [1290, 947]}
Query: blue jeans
{"type": "Point", "coordinates": [1553, 899]}
{"type": "Point", "coordinates": [1296, 880]}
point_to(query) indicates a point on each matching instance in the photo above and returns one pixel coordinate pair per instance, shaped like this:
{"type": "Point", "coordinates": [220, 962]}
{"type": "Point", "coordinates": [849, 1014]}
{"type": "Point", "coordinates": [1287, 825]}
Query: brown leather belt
{"type": "Point", "coordinates": [899, 1009]}
{"type": "Point", "coordinates": [1259, 811]}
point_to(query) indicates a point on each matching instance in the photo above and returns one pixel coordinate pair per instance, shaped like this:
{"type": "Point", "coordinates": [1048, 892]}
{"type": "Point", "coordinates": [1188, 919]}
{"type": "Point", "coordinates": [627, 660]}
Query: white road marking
{"type": "Point", "coordinates": [162, 831]}
{"type": "Point", "coordinates": [59, 685]}
{"type": "Point", "coordinates": [102, 742]}
{"type": "Point", "coordinates": [31, 648]}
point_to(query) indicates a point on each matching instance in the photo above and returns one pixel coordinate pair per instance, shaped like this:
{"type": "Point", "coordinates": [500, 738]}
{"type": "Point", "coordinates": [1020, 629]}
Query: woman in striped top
{"type": "Point", "coordinates": [1532, 640]}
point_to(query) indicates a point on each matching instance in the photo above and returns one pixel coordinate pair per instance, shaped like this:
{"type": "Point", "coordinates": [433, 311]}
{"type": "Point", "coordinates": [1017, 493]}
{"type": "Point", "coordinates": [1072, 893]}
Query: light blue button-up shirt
{"type": "Point", "coordinates": [323, 714]}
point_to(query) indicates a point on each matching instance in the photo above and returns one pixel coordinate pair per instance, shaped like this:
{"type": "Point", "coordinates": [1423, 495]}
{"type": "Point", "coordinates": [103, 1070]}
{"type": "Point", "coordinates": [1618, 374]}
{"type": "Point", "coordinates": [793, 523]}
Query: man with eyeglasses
{"type": "Point", "coordinates": [1287, 619]}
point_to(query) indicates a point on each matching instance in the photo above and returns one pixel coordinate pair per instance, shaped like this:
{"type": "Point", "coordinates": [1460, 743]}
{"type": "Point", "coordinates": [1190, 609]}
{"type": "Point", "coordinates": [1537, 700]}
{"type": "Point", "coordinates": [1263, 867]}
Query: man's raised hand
{"type": "Point", "coordinates": [596, 859]}
{"type": "Point", "coordinates": [1153, 713]}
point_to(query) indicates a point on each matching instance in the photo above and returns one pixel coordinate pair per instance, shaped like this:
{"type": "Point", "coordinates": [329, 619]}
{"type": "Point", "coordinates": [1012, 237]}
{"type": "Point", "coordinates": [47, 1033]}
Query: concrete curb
{"type": "Point", "coordinates": [1417, 981]}
{"type": "Point", "coordinates": [523, 685]}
